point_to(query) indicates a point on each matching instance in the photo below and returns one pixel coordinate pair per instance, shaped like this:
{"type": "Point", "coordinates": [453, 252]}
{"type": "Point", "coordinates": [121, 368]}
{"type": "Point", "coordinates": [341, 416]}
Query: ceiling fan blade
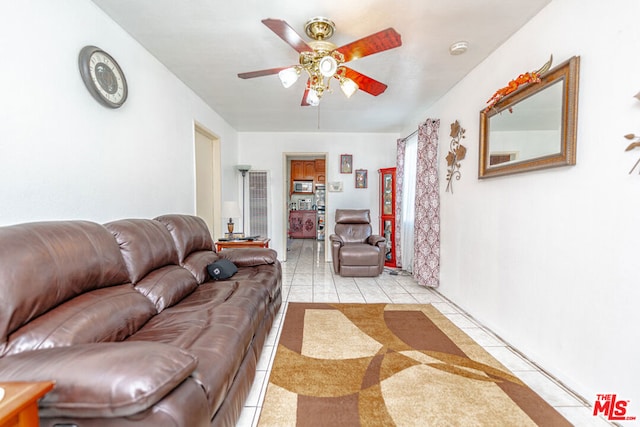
{"type": "Point", "coordinates": [365, 83]}
{"type": "Point", "coordinates": [378, 42]}
{"type": "Point", "coordinates": [261, 73]}
{"type": "Point", "coordinates": [288, 34]}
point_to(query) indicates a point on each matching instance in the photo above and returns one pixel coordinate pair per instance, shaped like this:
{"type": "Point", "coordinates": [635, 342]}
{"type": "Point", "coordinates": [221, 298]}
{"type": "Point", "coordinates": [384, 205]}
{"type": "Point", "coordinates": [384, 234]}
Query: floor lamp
{"type": "Point", "coordinates": [243, 170]}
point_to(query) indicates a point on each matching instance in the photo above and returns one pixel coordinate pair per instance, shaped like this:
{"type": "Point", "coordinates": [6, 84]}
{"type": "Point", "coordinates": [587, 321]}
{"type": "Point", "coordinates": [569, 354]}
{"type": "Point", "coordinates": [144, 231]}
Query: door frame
{"type": "Point", "coordinates": [287, 156]}
{"type": "Point", "coordinates": [216, 184]}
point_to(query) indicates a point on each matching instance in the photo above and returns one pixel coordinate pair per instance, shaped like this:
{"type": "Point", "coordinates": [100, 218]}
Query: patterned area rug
{"type": "Point", "coordinates": [391, 364]}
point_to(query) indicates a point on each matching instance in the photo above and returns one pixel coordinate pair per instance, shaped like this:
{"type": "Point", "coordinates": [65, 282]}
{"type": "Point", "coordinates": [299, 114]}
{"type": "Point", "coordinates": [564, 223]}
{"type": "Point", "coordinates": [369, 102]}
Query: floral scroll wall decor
{"type": "Point", "coordinates": [457, 152]}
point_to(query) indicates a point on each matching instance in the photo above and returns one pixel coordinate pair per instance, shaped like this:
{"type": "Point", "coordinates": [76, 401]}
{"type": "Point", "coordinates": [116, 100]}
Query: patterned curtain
{"type": "Point", "coordinates": [427, 218]}
{"type": "Point", "coordinates": [399, 184]}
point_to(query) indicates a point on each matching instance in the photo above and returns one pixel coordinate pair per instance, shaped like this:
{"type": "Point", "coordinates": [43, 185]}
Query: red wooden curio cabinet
{"type": "Point", "coordinates": [388, 213]}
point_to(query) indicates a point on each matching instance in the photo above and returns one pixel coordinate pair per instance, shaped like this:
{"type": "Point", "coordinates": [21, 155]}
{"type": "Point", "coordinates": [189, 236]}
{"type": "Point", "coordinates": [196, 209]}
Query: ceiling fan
{"type": "Point", "coordinates": [323, 60]}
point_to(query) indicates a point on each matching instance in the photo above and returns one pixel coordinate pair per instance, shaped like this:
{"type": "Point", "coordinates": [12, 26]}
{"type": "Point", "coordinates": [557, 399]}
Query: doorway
{"type": "Point", "coordinates": [291, 199]}
{"type": "Point", "coordinates": [208, 177]}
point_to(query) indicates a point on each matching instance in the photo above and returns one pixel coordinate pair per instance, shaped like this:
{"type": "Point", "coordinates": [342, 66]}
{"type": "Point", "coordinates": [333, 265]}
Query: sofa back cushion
{"type": "Point", "coordinates": [103, 315]}
{"type": "Point", "coordinates": [190, 234]}
{"type": "Point", "coordinates": [44, 264]}
{"type": "Point", "coordinates": [193, 242]}
{"type": "Point", "coordinates": [353, 225]}
{"type": "Point", "coordinates": [152, 261]}
{"type": "Point", "coordinates": [145, 244]}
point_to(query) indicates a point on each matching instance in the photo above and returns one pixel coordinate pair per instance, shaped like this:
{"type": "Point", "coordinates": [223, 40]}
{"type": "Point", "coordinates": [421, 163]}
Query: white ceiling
{"type": "Point", "coordinates": [206, 43]}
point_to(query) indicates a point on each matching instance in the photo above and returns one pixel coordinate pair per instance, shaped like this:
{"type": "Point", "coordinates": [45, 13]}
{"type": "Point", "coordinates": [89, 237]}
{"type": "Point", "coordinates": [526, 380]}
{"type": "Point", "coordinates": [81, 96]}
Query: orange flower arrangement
{"type": "Point", "coordinates": [522, 79]}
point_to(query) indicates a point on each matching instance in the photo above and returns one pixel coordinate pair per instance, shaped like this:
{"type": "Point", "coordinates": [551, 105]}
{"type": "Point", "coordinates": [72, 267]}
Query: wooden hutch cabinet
{"type": "Point", "coordinates": [388, 213]}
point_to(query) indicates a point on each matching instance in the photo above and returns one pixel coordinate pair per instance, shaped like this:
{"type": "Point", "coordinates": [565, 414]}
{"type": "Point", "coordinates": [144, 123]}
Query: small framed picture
{"type": "Point", "coordinates": [361, 178]}
{"type": "Point", "coordinates": [346, 163]}
{"type": "Point", "coordinates": [335, 186]}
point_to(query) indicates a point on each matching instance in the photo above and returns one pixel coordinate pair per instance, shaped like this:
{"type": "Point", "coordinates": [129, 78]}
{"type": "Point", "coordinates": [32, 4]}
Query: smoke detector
{"type": "Point", "coordinates": [458, 48]}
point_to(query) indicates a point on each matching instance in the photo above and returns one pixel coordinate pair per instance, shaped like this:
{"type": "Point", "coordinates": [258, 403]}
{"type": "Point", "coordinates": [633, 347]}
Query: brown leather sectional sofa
{"type": "Point", "coordinates": [126, 321]}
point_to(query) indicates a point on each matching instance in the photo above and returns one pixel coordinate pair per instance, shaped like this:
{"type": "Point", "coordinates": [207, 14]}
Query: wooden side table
{"type": "Point", "coordinates": [233, 244]}
{"type": "Point", "coordinates": [19, 407]}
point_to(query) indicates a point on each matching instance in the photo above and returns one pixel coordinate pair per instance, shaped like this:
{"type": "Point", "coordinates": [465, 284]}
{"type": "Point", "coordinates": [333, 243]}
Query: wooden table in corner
{"type": "Point", "coordinates": [233, 244]}
{"type": "Point", "coordinates": [19, 406]}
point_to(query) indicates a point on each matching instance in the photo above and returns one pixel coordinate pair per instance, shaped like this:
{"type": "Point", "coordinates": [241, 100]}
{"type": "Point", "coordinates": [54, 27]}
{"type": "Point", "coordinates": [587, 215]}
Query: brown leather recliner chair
{"type": "Point", "coordinates": [355, 250]}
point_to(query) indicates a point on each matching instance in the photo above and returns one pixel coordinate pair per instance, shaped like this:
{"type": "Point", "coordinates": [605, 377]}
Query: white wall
{"type": "Point", "coordinates": [63, 155]}
{"type": "Point", "coordinates": [264, 151]}
{"type": "Point", "coordinates": [549, 259]}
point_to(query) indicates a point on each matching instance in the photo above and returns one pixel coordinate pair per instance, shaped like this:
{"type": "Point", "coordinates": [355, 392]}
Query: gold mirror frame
{"type": "Point", "coordinates": [568, 73]}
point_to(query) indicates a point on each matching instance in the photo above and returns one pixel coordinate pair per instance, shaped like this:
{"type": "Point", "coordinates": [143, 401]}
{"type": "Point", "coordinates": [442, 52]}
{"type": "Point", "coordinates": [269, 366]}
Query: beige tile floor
{"type": "Point", "coordinates": [306, 277]}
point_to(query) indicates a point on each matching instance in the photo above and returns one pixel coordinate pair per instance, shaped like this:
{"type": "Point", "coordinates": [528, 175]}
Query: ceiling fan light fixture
{"type": "Point", "coordinates": [289, 76]}
{"type": "Point", "coordinates": [328, 66]}
{"type": "Point", "coordinates": [348, 86]}
{"type": "Point", "coordinates": [321, 60]}
{"type": "Point", "coordinates": [312, 98]}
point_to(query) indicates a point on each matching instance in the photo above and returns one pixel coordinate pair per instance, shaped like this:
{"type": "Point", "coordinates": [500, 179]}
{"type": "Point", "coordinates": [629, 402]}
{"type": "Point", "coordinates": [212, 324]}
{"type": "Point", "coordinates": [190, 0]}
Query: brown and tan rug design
{"type": "Point", "coordinates": [391, 364]}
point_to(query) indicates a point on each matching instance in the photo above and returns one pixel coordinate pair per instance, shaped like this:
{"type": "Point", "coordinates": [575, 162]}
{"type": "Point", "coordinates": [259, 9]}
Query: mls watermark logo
{"type": "Point", "coordinates": [612, 408]}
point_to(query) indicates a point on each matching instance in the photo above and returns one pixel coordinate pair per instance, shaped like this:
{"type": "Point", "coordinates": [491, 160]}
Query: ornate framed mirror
{"type": "Point", "coordinates": [534, 127]}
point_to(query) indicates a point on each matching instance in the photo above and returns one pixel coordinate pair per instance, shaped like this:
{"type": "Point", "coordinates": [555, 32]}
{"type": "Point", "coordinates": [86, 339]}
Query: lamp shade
{"type": "Point", "coordinates": [231, 210]}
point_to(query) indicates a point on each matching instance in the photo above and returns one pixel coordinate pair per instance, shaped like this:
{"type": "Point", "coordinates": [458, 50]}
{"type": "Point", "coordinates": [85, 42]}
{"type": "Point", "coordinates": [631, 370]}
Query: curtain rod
{"type": "Point", "coordinates": [410, 135]}
{"type": "Point", "coordinates": [417, 130]}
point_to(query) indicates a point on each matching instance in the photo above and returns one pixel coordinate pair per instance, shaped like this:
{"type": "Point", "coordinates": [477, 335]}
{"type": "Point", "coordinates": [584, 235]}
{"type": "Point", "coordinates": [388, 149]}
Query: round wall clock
{"type": "Point", "coordinates": [102, 76]}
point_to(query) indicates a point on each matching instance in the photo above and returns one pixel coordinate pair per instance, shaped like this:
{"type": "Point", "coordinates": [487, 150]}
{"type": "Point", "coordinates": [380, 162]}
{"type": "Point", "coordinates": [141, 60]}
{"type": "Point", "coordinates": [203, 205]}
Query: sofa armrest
{"type": "Point", "coordinates": [375, 240]}
{"type": "Point", "coordinates": [336, 244]}
{"type": "Point", "coordinates": [249, 257]}
{"type": "Point", "coordinates": [335, 239]}
{"type": "Point", "coordinates": [102, 380]}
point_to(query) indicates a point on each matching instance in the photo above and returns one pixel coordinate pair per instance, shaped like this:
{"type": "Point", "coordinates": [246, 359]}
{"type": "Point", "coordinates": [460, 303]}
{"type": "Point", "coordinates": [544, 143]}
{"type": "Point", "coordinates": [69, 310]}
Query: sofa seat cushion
{"type": "Point", "coordinates": [102, 379]}
{"type": "Point", "coordinates": [263, 277]}
{"type": "Point", "coordinates": [107, 314]}
{"type": "Point", "coordinates": [196, 263]}
{"type": "Point", "coordinates": [359, 254]}
{"type": "Point", "coordinates": [167, 285]}
{"type": "Point", "coordinates": [219, 336]}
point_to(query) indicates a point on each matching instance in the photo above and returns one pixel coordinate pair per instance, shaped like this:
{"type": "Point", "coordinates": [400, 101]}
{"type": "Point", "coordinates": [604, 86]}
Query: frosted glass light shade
{"type": "Point", "coordinates": [289, 76]}
{"type": "Point", "coordinates": [312, 98]}
{"type": "Point", "coordinates": [348, 86]}
{"type": "Point", "coordinates": [328, 66]}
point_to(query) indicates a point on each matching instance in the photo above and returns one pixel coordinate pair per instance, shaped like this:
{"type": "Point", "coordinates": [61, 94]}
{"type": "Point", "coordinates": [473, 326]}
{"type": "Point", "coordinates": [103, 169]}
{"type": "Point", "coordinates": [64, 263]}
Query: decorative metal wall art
{"type": "Point", "coordinates": [457, 152]}
{"type": "Point", "coordinates": [635, 143]}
